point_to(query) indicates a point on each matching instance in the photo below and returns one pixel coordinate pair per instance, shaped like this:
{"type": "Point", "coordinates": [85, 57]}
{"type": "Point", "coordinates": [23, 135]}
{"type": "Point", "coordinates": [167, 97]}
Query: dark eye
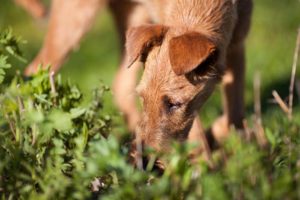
{"type": "Point", "coordinates": [170, 105]}
{"type": "Point", "coordinates": [174, 106]}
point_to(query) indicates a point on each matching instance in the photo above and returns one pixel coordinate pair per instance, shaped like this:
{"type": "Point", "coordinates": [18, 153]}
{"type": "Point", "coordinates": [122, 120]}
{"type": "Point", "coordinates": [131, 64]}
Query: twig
{"type": "Point", "coordinates": [34, 129]}
{"type": "Point", "coordinates": [259, 131]}
{"type": "Point", "coordinates": [204, 147]}
{"type": "Point", "coordinates": [20, 103]}
{"type": "Point", "coordinates": [248, 132]}
{"type": "Point", "coordinates": [280, 102]}
{"type": "Point", "coordinates": [293, 76]}
{"type": "Point", "coordinates": [260, 135]}
{"type": "Point", "coordinates": [257, 104]}
{"type": "Point", "coordinates": [52, 82]}
{"type": "Point", "coordinates": [298, 89]}
{"type": "Point", "coordinates": [11, 126]}
{"type": "Point", "coordinates": [139, 149]}
{"type": "Point", "coordinates": [207, 150]}
{"type": "Point", "coordinates": [52, 85]}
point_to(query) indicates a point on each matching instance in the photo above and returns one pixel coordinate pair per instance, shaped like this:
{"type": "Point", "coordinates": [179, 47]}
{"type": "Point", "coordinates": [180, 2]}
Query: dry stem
{"type": "Point", "coordinates": [11, 126]}
{"type": "Point", "coordinates": [257, 104]}
{"type": "Point", "coordinates": [52, 85]}
{"type": "Point", "coordinates": [259, 131]}
{"type": "Point", "coordinates": [298, 88]}
{"type": "Point", "coordinates": [52, 82]}
{"type": "Point", "coordinates": [280, 102]}
{"type": "Point", "coordinates": [248, 131]}
{"type": "Point", "coordinates": [139, 149]}
{"type": "Point", "coordinates": [293, 76]}
{"type": "Point", "coordinates": [205, 145]}
{"type": "Point", "coordinates": [20, 103]}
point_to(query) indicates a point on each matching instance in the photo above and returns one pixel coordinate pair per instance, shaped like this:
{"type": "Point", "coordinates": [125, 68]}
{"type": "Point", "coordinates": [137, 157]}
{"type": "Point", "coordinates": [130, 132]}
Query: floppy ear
{"type": "Point", "coordinates": [189, 51]}
{"type": "Point", "coordinates": [140, 40]}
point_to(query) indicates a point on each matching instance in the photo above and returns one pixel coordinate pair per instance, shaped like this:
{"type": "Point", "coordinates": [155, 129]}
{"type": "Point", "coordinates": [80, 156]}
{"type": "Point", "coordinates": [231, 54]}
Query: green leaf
{"type": "Point", "coordinates": [77, 112]}
{"type": "Point", "coordinates": [3, 65]}
{"type": "Point", "coordinates": [270, 136]}
{"type": "Point", "coordinates": [60, 120]}
{"type": "Point", "coordinates": [35, 116]}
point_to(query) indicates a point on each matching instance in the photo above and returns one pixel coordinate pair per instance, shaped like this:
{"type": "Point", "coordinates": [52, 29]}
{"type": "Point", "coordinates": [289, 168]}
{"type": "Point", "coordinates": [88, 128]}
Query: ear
{"type": "Point", "coordinates": [189, 51]}
{"type": "Point", "coordinates": [140, 40]}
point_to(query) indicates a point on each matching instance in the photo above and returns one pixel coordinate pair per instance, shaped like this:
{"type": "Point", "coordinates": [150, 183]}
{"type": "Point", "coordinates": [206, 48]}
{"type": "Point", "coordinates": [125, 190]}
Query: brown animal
{"type": "Point", "coordinates": [187, 47]}
{"type": "Point", "coordinates": [185, 55]}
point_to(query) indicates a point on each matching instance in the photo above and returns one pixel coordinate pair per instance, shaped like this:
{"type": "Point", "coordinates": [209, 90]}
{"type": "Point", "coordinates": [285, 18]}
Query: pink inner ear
{"type": "Point", "coordinates": [140, 40]}
{"type": "Point", "coordinates": [188, 51]}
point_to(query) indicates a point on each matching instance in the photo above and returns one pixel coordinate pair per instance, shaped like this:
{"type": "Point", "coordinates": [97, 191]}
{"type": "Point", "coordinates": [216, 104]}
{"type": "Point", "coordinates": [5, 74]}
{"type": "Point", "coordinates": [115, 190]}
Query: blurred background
{"type": "Point", "coordinates": [270, 51]}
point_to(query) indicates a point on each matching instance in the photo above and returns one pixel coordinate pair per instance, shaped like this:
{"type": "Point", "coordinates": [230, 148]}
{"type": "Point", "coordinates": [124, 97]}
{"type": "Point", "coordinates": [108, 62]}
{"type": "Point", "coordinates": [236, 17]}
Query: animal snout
{"type": "Point", "coordinates": [144, 160]}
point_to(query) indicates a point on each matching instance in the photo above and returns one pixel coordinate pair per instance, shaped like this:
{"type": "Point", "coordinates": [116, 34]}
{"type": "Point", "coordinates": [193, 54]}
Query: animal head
{"type": "Point", "coordinates": [181, 69]}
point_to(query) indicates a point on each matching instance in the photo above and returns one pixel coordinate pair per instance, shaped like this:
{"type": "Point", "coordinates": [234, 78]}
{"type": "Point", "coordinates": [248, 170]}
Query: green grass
{"type": "Point", "coordinates": [270, 48]}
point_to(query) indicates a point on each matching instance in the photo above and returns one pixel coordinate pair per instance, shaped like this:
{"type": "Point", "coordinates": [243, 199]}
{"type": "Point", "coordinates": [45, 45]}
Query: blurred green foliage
{"type": "Point", "coordinates": [52, 147]}
{"type": "Point", "coordinates": [8, 46]}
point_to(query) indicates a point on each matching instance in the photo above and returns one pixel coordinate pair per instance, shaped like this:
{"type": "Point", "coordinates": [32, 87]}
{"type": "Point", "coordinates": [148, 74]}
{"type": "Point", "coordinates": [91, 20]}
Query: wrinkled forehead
{"type": "Point", "coordinates": [157, 68]}
{"type": "Point", "coordinates": [158, 61]}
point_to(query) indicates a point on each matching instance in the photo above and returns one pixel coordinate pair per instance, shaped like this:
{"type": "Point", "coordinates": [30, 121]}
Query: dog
{"type": "Point", "coordinates": [186, 47]}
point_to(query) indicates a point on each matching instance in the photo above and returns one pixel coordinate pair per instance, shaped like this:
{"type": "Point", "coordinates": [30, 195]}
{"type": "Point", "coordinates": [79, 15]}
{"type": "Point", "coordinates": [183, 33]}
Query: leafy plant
{"type": "Point", "coordinates": [52, 147]}
{"type": "Point", "coordinates": [9, 46]}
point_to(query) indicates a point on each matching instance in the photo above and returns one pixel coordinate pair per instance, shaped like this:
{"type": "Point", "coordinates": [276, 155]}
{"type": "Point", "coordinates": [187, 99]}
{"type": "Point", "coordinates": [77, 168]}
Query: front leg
{"type": "Point", "coordinates": [233, 93]}
{"type": "Point", "coordinates": [34, 7]}
{"type": "Point", "coordinates": [69, 21]}
{"type": "Point", "coordinates": [197, 135]}
{"type": "Point", "coordinates": [233, 81]}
